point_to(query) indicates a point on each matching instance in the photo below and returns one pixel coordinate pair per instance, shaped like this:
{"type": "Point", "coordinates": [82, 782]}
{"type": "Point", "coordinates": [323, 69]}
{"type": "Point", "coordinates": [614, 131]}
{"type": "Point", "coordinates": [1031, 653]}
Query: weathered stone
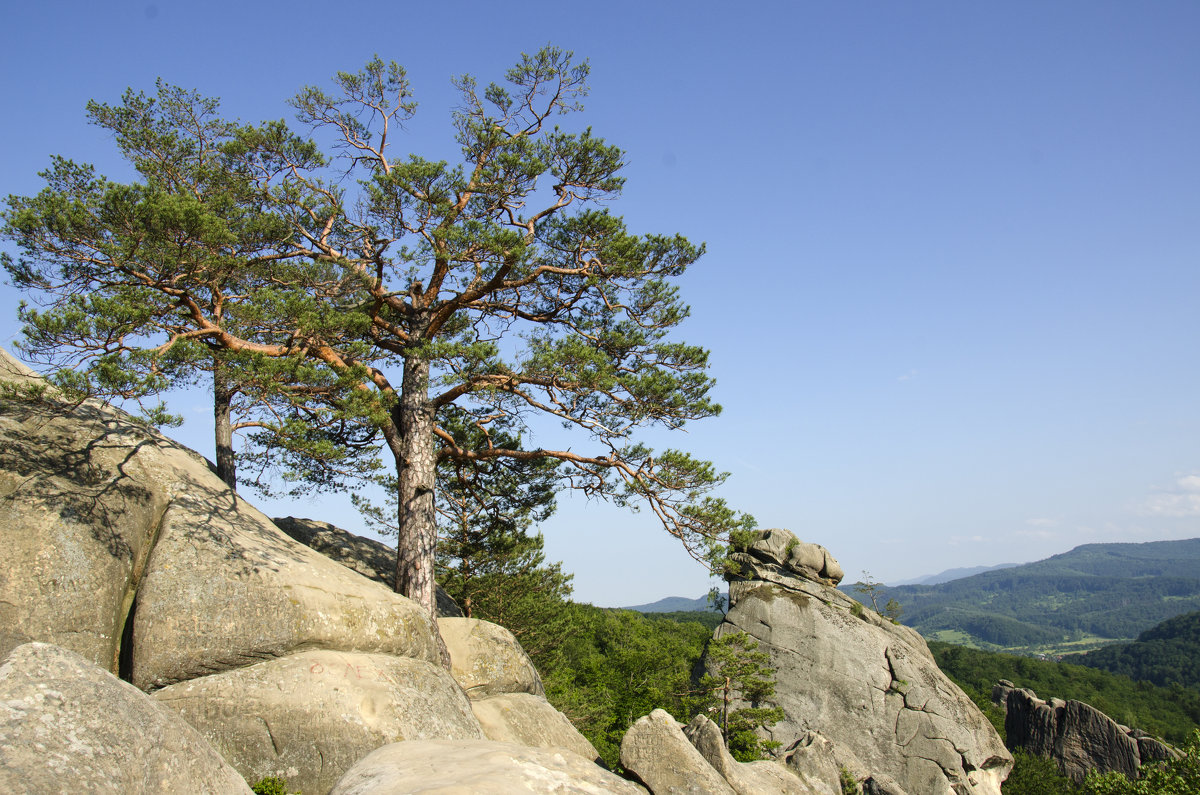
{"type": "Point", "coordinates": [812, 760]}
{"type": "Point", "coordinates": [486, 659]}
{"type": "Point", "coordinates": [776, 546]}
{"type": "Point", "coordinates": [78, 512]}
{"type": "Point", "coordinates": [527, 719]}
{"type": "Point", "coordinates": [224, 588]}
{"type": "Point", "coordinates": [746, 778]}
{"type": "Point", "coordinates": [477, 767]}
{"type": "Point", "coordinates": [308, 717]}
{"type": "Point", "coordinates": [658, 753]}
{"type": "Point", "coordinates": [370, 558]}
{"type": "Point", "coordinates": [67, 725]}
{"type": "Point", "coordinates": [1077, 736]}
{"type": "Point", "coordinates": [870, 686]}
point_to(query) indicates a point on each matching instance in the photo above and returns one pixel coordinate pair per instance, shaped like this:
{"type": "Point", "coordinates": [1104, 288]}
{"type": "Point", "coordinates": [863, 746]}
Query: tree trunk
{"type": "Point", "coordinates": [416, 543]}
{"type": "Point", "coordinates": [223, 393]}
{"type": "Point", "coordinates": [415, 470]}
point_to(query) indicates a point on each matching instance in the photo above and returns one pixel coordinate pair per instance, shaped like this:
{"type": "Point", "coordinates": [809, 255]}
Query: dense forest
{"type": "Point", "coordinates": [1168, 654]}
{"type": "Point", "coordinates": [1168, 712]}
{"type": "Point", "coordinates": [1095, 592]}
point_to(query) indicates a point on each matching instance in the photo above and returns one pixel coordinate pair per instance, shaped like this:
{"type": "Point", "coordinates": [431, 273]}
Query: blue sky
{"type": "Point", "coordinates": [951, 288]}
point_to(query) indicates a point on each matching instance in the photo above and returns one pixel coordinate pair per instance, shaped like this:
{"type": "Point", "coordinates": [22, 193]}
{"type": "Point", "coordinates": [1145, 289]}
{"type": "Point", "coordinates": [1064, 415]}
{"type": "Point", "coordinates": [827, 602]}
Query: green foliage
{"type": "Point", "coordinates": [735, 688]}
{"type": "Point", "coordinates": [376, 297]}
{"type": "Point", "coordinates": [856, 609]}
{"type": "Point", "coordinates": [847, 782]}
{"type": "Point", "coordinates": [1096, 591]}
{"type": "Point", "coordinates": [614, 666]}
{"type": "Point", "coordinates": [1173, 777]}
{"type": "Point", "coordinates": [272, 785]}
{"type": "Point", "coordinates": [1036, 775]}
{"type": "Point", "coordinates": [1166, 654]}
{"type": "Point", "coordinates": [1168, 712]}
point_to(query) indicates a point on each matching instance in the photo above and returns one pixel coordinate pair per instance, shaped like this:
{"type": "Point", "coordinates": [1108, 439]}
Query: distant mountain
{"type": "Point", "coordinates": [1166, 654]}
{"type": "Point", "coordinates": [954, 574]}
{"type": "Point", "coordinates": [1092, 594]}
{"type": "Point", "coordinates": [674, 604]}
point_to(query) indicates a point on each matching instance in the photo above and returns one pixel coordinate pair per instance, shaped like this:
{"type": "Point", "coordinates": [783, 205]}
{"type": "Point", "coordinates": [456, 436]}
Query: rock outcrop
{"type": "Point", "coordinates": [126, 549]}
{"type": "Point", "coordinates": [466, 767]}
{"type": "Point", "coordinates": [67, 725]}
{"type": "Point", "coordinates": [372, 559]}
{"type": "Point", "coordinates": [656, 750]}
{"type": "Point", "coordinates": [1078, 737]}
{"type": "Point", "coordinates": [867, 685]}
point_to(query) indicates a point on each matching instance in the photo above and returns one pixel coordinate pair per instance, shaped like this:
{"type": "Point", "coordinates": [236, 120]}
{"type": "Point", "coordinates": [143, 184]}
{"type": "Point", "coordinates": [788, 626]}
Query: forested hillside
{"type": "Point", "coordinates": [1166, 654]}
{"type": "Point", "coordinates": [1079, 599]}
{"type": "Point", "coordinates": [1168, 712]}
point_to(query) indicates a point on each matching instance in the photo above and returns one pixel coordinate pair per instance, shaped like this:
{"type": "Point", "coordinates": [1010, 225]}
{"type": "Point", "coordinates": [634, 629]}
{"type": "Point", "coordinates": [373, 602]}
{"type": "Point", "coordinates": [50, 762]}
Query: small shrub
{"type": "Point", "coordinates": [846, 780]}
{"type": "Point", "coordinates": [271, 785]}
{"type": "Point", "coordinates": [857, 609]}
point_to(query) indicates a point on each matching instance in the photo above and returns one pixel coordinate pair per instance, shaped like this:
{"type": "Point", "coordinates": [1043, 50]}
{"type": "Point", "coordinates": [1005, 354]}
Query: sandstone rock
{"type": "Point", "coordinates": [871, 687]}
{"type": "Point", "coordinates": [657, 752]}
{"type": "Point", "coordinates": [370, 558]}
{"type": "Point", "coordinates": [746, 778]}
{"type": "Point", "coordinates": [66, 725]}
{"type": "Point", "coordinates": [530, 720]}
{"type": "Point", "coordinates": [486, 659]}
{"type": "Point", "coordinates": [477, 767]}
{"type": "Point", "coordinates": [77, 518]}
{"type": "Point", "coordinates": [1077, 736]}
{"type": "Point", "coordinates": [812, 760]}
{"type": "Point", "coordinates": [97, 509]}
{"type": "Point", "coordinates": [780, 548]}
{"type": "Point", "coordinates": [308, 717]}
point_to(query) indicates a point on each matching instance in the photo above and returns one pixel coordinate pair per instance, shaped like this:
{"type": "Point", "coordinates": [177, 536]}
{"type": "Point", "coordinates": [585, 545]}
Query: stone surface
{"type": "Point", "coordinates": [526, 719]}
{"type": "Point", "coordinates": [659, 754]}
{"type": "Point", "coordinates": [66, 725]}
{"type": "Point", "coordinates": [224, 588]}
{"type": "Point", "coordinates": [746, 778]}
{"type": "Point", "coordinates": [812, 760]}
{"type": "Point", "coordinates": [98, 509]}
{"type": "Point", "coordinates": [78, 511]}
{"type": "Point", "coordinates": [1077, 736]}
{"type": "Point", "coordinates": [781, 548]}
{"type": "Point", "coordinates": [370, 558]}
{"type": "Point", "coordinates": [487, 660]}
{"type": "Point", "coordinates": [308, 717]}
{"type": "Point", "coordinates": [869, 686]}
{"type": "Point", "coordinates": [478, 767]}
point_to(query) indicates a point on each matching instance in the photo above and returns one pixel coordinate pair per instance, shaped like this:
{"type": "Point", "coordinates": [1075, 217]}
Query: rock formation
{"type": "Point", "coordinates": [476, 767]}
{"type": "Point", "coordinates": [66, 725]}
{"type": "Point", "coordinates": [1078, 737]}
{"type": "Point", "coordinates": [864, 684]}
{"type": "Point", "coordinates": [125, 548]}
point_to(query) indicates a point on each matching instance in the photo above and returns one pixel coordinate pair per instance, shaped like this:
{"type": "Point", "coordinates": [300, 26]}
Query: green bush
{"type": "Point", "coordinates": [271, 785]}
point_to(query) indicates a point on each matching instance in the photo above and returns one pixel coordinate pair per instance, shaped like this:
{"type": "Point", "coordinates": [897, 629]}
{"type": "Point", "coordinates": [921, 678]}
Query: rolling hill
{"type": "Point", "coordinates": [1090, 596]}
{"type": "Point", "coordinates": [1166, 654]}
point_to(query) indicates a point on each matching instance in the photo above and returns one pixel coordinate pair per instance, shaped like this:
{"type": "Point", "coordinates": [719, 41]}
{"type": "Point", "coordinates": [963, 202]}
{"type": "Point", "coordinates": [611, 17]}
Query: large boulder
{"type": "Point", "coordinates": [477, 767]}
{"type": "Point", "coordinates": [309, 716]}
{"type": "Point", "coordinates": [1079, 737]}
{"type": "Point", "coordinates": [486, 659]}
{"type": "Point", "coordinates": [869, 686]}
{"type": "Point", "coordinates": [67, 725]}
{"type": "Point", "coordinates": [372, 559]}
{"type": "Point", "coordinates": [746, 778]}
{"type": "Point", "coordinates": [659, 754]}
{"type": "Point", "coordinates": [530, 720]}
{"type": "Point", "coordinates": [78, 513]}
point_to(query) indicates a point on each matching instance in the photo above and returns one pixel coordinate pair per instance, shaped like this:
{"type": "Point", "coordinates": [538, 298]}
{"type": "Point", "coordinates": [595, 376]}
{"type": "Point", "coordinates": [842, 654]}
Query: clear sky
{"type": "Point", "coordinates": [951, 291]}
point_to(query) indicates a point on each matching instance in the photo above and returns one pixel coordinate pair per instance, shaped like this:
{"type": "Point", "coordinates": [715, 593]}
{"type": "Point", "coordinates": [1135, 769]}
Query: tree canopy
{"type": "Point", "coordinates": [396, 298]}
